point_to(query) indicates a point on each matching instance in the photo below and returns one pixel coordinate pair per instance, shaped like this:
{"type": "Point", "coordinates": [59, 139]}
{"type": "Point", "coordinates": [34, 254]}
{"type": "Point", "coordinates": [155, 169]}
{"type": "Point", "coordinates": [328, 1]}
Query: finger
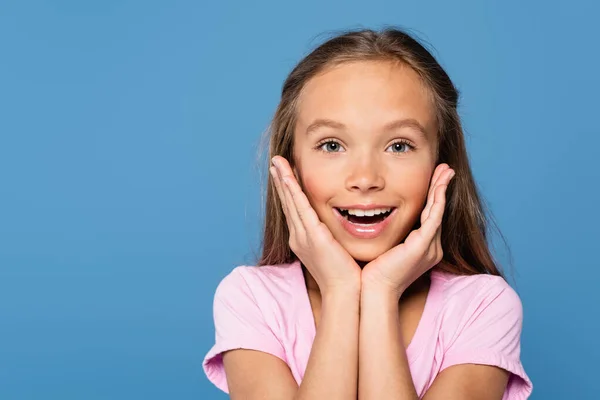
{"type": "Point", "coordinates": [438, 171]}
{"type": "Point", "coordinates": [434, 249]}
{"type": "Point", "coordinates": [306, 213]}
{"type": "Point", "coordinates": [434, 220]}
{"type": "Point", "coordinates": [437, 240]}
{"type": "Point", "coordinates": [287, 176]}
{"type": "Point", "coordinates": [438, 235]}
{"type": "Point", "coordinates": [279, 187]}
{"type": "Point", "coordinates": [291, 204]}
{"type": "Point", "coordinates": [443, 179]}
{"type": "Point", "coordinates": [283, 167]}
{"type": "Point", "coordinates": [296, 200]}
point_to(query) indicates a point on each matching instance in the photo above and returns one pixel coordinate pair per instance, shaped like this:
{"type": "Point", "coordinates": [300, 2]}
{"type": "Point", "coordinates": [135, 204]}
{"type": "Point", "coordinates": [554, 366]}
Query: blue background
{"type": "Point", "coordinates": [129, 181]}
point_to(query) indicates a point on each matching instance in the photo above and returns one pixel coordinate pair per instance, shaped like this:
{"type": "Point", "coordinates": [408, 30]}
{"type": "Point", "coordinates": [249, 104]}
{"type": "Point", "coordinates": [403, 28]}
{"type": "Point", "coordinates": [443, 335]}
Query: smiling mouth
{"type": "Point", "coordinates": [365, 219]}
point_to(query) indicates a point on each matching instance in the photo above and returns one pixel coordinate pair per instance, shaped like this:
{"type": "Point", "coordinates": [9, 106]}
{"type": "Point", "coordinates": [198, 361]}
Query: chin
{"type": "Point", "coordinates": [366, 252]}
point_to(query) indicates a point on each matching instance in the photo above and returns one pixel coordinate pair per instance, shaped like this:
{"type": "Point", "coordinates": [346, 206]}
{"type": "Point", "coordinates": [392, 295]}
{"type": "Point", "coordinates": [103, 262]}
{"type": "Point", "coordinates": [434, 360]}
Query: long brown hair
{"type": "Point", "coordinates": [465, 222]}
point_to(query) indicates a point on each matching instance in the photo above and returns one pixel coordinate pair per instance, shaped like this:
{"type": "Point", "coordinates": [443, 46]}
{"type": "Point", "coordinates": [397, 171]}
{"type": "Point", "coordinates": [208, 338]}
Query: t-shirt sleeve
{"type": "Point", "coordinates": [490, 334]}
{"type": "Point", "coordinates": [239, 324]}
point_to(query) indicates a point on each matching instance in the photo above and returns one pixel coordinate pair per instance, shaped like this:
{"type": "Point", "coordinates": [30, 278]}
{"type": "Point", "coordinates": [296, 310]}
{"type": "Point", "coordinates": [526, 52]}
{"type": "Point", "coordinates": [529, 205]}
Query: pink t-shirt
{"type": "Point", "coordinates": [467, 319]}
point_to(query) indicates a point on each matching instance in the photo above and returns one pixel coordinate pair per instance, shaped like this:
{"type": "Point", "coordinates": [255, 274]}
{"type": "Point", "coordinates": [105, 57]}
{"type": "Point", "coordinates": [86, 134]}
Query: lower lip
{"type": "Point", "coordinates": [364, 231]}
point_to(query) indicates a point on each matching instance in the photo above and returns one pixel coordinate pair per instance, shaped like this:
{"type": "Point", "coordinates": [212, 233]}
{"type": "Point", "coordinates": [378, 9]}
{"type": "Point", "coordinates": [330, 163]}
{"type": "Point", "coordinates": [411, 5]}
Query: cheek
{"type": "Point", "coordinates": [315, 188]}
{"type": "Point", "coordinates": [319, 180]}
{"type": "Point", "coordinates": [414, 186]}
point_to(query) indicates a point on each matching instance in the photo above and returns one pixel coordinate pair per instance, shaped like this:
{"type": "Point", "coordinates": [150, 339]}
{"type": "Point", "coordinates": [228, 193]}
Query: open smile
{"type": "Point", "coordinates": [365, 223]}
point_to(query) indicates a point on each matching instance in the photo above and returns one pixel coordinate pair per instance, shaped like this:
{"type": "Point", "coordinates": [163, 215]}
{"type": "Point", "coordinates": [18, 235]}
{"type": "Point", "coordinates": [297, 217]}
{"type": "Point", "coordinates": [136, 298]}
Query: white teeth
{"type": "Point", "coordinates": [368, 213]}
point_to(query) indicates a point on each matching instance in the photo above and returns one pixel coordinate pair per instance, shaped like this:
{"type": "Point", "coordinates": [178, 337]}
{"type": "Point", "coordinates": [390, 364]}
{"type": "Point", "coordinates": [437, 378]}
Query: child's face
{"type": "Point", "coordinates": [363, 165]}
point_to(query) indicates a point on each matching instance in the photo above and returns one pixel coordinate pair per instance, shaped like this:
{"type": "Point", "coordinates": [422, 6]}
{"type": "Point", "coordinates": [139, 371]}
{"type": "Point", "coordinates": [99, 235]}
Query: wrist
{"type": "Point", "coordinates": [342, 287]}
{"type": "Point", "coordinates": [345, 292]}
{"type": "Point", "coordinates": [381, 292]}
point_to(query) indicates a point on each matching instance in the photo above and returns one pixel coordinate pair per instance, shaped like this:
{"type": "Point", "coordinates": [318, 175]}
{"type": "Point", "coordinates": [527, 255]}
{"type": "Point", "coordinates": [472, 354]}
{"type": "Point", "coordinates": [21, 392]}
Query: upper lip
{"type": "Point", "coordinates": [364, 206]}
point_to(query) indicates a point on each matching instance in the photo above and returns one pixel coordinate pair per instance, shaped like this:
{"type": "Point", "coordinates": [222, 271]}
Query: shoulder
{"type": "Point", "coordinates": [256, 279]}
{"type": "Point", "coordinates": [270, 288]}
{"type": "Point", "coordinates": [480, 305]}
{"type": "Point", "coordinates": [481, 323]}
{"type": "Point", "coordinates": [253, 306]}
{"type": "Point", "coordinates": [473, 289]}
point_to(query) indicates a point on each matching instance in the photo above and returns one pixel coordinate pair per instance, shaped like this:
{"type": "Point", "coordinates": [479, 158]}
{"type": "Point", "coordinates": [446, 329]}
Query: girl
{"type": "Point", "coordinates": [375, 279]}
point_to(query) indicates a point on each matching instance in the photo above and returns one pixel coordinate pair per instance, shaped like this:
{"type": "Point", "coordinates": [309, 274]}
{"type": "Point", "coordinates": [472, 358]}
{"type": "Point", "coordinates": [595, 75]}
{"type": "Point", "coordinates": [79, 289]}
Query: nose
{"type": "Point", "coordinates": [365, 174]}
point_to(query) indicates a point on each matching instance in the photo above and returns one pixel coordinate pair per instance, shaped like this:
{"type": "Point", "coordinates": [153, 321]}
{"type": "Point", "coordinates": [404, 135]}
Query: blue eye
{"type": "Point", "coordinates": [330, 146]}
{"type": "Point", "coordinates": [399, 145]}
{"type": "Point", "coordinates": [333, 146]}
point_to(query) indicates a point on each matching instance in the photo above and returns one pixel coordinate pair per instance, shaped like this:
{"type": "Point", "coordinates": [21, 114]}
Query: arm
{"type": "Point", "coordinates": [332, 367]}
{"type": "Point", "coordinates": [383, 365]}
{"type": "Point", "coordinates": [469, 382]}
{"type": "Point", "coordinates": [257, 375]}
{"type": "Point", "coordinates": [485, 349]}
{"type": "Point", "coordinates": [384, 370]}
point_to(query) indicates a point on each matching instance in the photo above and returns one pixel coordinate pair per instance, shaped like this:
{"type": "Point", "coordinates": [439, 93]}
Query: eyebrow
{"type": "Point", "coordinates": [397, 124]}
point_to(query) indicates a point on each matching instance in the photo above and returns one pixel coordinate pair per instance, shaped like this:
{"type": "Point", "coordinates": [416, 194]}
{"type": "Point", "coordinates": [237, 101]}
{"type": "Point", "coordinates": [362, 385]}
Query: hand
{"type": "Point", "coordinates": [328, 262]}
{"type": "Point", "coordinates": [396, 269]}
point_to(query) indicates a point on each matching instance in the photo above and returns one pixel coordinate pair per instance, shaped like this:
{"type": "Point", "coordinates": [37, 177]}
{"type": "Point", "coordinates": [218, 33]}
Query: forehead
{"type": "Point", "coordinates": [366, 95]}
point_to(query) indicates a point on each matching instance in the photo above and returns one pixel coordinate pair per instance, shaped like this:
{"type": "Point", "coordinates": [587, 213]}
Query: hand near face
{"type": "Point", "coordinates": [328, 262]}
{"type": "Point", "coordinates": [396, 269]}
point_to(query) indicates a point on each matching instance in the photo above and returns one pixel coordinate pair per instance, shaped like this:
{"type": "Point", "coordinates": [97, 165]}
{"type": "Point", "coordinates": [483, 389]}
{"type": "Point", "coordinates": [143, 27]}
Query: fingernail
{"type": "Point", "coordinates": [273, 161]}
